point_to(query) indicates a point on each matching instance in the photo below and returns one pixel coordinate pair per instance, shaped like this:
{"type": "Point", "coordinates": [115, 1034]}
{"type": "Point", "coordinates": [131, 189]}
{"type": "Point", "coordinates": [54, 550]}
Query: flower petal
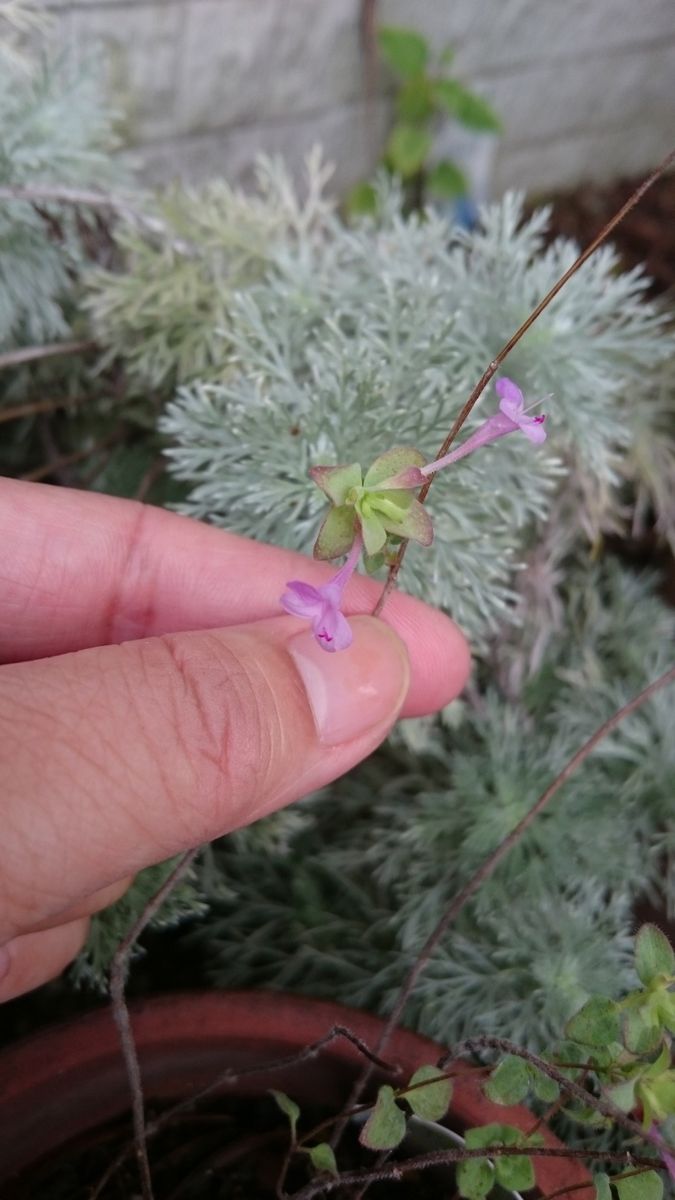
{"type": "Point", "coordinates": [336, 535]}
{"type": "Point", "coordinates": [533, 428]}
{"type": "Point", "coordinates": [333, 631]}
{"type": "Point", "coordinates": [506, 389]}
{"type": "Point", "coordinates": [302, 599]}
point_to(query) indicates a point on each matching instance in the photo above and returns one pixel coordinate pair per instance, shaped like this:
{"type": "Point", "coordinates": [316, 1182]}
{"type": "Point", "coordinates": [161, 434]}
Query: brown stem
{"type": "Point", "coordinates": [39, 193]}
{"type": "Point", "coordinates": [506, 349]}
{"type": "Point", "coordinates": [65, 460]}
{"type": "Point", "coordinates": [395, 1172]}
{"type": "Point", "coordinates": [118, 975]}
{"type": "Point", "coordinates": [230, 1077]}
{"type": "Point", "coordinates": [601, 1105]}
{"type": "Point", "coordinates": [33, 407]}
{"type": "Point", "coordinates": [153, 473]}
{"type": "Point", "coordinates": [487, 868]}
{"type": "Point", "coordinates": [26, 354]}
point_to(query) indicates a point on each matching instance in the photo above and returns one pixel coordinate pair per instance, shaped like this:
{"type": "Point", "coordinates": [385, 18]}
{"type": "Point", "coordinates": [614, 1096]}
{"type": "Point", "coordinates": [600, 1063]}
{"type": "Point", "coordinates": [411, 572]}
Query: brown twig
{"type": "Point", "coordinates": [506, 349]}
{"type": "Point", "coordinates": [489, 865]}
{"type": "Point", "coordinates": [44, 193]}
{"type": "Point", "coordinates": [118, 975]}
{"type": "Point", "coordinates": [230, 1077]}
{"type": "Point", "coordinates": [150, 477]}
{"type": "Point", "coordinates": [54, 466]}
{"type": "Point", "coordinates": [605, 1107]}
{"type": "Point", "coordinates": [395, 1172]}
{"type": "Point", "coordinates": [33, 407]}
{"type": "Point", "coordinates": [26, 354]}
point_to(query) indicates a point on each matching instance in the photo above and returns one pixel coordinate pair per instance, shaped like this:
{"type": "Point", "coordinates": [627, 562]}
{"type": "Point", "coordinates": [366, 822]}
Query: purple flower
{"type": "Point", "coordinates": [321, 605]}
{"type": "Point", "coordinates": [512, 406]}
{"type": "Point", "coordinates": [510, 418]}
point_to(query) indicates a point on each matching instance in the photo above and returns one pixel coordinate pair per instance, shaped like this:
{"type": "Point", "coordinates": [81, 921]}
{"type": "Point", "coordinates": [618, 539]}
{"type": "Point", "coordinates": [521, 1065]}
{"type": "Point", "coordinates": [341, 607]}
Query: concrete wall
{"type": "Point", "coordinates": [586, 88]}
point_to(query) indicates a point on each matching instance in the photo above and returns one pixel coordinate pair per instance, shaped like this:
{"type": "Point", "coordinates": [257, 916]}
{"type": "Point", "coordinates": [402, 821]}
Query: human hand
{"type": "Point", "coordinates": [125, 739]}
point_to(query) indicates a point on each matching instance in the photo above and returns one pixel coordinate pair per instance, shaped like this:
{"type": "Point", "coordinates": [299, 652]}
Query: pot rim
{"type": "Point", "coordinates": [69, 1077]}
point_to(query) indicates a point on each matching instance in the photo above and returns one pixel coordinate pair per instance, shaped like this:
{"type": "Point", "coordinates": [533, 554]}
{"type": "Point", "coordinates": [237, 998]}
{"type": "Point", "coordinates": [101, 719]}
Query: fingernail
{"type": "Point", "coordinates": [353, 690]}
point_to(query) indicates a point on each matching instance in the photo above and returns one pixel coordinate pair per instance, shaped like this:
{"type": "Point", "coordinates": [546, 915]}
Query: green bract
{"type": "Point", "coordinates": [378, 504]}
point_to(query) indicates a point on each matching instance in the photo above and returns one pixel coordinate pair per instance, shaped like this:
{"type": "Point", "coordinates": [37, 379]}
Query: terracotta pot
{"type": "Point", "coordinates": [64, 1081]}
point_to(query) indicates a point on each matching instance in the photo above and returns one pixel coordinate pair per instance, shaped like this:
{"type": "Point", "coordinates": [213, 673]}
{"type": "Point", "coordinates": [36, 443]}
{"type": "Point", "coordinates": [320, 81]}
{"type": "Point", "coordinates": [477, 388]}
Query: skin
{"type": "Point", "coordinates": [152, 698]}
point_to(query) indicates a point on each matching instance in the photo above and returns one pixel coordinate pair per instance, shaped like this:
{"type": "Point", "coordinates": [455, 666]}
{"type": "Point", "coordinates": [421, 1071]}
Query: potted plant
{"type": "Point", "coordinates": [287, 1066]}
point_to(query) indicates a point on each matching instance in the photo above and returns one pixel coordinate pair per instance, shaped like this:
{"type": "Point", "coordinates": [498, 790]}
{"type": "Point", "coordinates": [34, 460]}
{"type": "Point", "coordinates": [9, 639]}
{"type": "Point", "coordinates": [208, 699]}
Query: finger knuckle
{"type": "Point", "coordinates": [221, 715]}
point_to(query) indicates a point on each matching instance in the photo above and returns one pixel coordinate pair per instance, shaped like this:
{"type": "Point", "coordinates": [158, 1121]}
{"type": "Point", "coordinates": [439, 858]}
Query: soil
{"type": "Point", "coordinates": [645, 236]}
{"type": "Point", "coordinates": [232, 1149]}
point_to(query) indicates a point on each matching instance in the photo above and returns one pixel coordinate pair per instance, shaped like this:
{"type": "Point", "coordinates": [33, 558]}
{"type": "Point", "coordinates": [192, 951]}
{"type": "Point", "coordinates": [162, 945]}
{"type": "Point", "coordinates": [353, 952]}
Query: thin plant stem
{"type": "Point", "coordinates": [26, 354]}
{"type": "Point", "coordinates": [506, 349]}
{"type": "Point", "coordinates": [118, 975]}
{"type": "Point", "coordinates": [33, 407]}
{"type": "Point", "coordinates": [396, 1172]}
{"type": "Point", "coordinates": [488, 867]}
{"type": "Point", "coordinates": [46, 193]}
{"type": "Point", "coordinates": [65, 460]}
{"type": "Point", "coordinates": [601, 1105]}
{"type": "Point", "coordinates": [230, 1077]}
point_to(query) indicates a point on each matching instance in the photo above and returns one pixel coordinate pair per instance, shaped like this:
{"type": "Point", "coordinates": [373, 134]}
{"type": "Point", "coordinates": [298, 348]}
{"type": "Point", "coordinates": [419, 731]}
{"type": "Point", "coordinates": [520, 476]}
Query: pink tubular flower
{"type": "Point", "coordinates": [512, 406]}
{"type": "Point", "coordinates": [510, 418]}
{"type": "Point", "coordinates": [321, 605]}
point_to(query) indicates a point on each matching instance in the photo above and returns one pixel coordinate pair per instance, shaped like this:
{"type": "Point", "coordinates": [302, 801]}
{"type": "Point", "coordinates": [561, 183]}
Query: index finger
{"type": "Point", "coordinates": [82, 570]}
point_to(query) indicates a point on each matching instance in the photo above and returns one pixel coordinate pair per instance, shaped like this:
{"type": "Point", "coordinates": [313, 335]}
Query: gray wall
{"type": "Point", "coordinates": [586, 88]}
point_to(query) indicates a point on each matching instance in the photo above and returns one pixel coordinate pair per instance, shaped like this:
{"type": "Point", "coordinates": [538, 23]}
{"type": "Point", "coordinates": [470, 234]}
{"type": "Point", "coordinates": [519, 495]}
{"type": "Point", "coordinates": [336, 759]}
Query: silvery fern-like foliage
{"type": "Point", "coordinates": [166, 313]}
{"type": "Point", "coordinates": [343, 906]}
{"type": "Point", "coordinates": [56, 130]}
{"type": "Point", "coordinates": [364, 338]}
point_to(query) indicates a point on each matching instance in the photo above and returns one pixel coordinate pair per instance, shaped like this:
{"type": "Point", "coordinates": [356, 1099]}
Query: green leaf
{"type": "Point", "coordinates": [407, 149]}
{"type": "Point", "coordinates": [336, 535]}
{"type": "Point", "coordinates": [475, 1177]}
{"type": "Point", "coordinates": [337, 482]}
{"type": "Point", "coordinates": [323, 1158]}
{"type": "Point", "coordinates": [415, 101]}
{"type": "Point", "coordinates": [289, 1107]}
{"type": "Point", "coordinates": [429, 1102]}
{"type": "Point", "coordinates": [392, 462]}
{"type": "Point", "coordinates": [361, 200]}
{"type": "Point", "coordinates": [416, 524]}
{"type": "Point", "coordinates": [623, 1095]}
{"type": "Point", "coordinates": [374, 534]}
{"type": "Point", "coordinates": [516, 1174]}
{"type": "Point", "coordinates": [385, 1126]}
{"type": "Point", "coordinates": [641, 1032]}
{"type": "Point", "coordinates": [664, 1008]}
{"type": "Point", "coordinates": [645, 1186]}
{"type": "Point", "coordinates": [602, 1188]}
{"type": "Point", "coordinates": [596, 1023]}
{"type": "Point", "coordinates": [509, 1082]}
{"type": "Point", "coordinates": [494, 1134]}
{"type": "Point", "coordinates": [654, 954]}
{"type": "Point", "coordinates": [447, 180]}
{"type": "Point", "coordinates": [469, 109]}
{"type": "Point", "coordinates": [658, 1096]}
{"type": "Point", "coordinates": [405, 50]}
{"type": "Point", "coordinates": [544, 1088]}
